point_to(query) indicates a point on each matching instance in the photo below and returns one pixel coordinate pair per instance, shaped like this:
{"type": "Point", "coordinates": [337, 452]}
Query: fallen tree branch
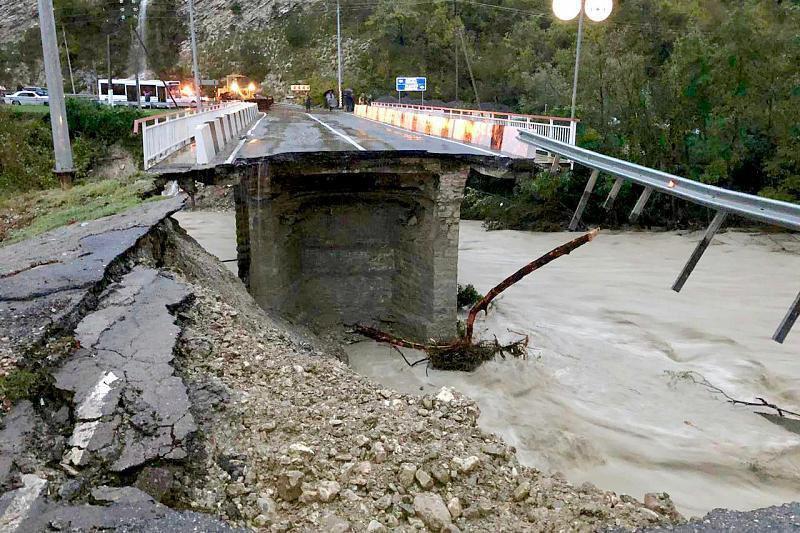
{"type": "Point", "coordinates": [534, 265]}
{"type": "Point", "coordinates": [462, 353]}
{"type": "Point", "coordinates": [700, 379]}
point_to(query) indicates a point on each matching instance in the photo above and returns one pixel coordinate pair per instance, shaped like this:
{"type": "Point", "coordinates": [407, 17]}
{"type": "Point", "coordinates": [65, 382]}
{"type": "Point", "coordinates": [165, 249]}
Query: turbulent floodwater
{"type": "Point", "coordinates": [604, 395]}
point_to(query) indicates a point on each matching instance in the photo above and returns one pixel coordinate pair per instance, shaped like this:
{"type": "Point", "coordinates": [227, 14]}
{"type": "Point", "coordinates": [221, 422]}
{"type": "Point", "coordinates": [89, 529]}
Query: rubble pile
{"type": "Point", "coordinates": [292, 438]}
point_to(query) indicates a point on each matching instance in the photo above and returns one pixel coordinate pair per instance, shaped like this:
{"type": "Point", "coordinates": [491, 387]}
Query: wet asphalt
{"type": "Point", "coordinates": [288, 128]}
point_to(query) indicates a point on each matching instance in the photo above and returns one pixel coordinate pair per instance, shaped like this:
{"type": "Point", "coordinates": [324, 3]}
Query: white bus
{"type": "Point", "coordinates": [153, 93]}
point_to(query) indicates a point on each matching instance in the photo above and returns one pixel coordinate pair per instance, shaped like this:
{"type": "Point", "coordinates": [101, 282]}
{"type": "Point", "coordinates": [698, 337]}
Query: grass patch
{"type": "Point", "coordinates": [32, 213]}
{"type": "Point", "coordinates": [17, 384]}
{"type": "Point", "coordinates": [43, 110]}
{"type": "Point", "coordinates": [35, 109]}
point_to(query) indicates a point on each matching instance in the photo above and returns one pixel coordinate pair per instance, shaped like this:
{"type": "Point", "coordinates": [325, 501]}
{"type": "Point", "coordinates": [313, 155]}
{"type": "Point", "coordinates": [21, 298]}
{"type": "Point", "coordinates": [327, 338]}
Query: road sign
{"type": "Point", "coordinates": [301, 88]}
{"type": "Point", "coordinates": [411, 84]}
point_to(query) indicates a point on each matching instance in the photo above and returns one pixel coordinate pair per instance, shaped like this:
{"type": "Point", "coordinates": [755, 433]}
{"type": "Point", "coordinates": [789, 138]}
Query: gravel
{"type": "Point", "coordinates": [289, 437]}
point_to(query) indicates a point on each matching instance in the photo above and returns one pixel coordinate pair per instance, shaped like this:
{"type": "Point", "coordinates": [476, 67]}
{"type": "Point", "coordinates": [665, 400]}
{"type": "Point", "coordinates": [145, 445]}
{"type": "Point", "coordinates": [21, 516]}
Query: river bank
{"type": "Point", "coordinates": [610, 393]}
{"type": "Point", "coordinates": [169, 401]}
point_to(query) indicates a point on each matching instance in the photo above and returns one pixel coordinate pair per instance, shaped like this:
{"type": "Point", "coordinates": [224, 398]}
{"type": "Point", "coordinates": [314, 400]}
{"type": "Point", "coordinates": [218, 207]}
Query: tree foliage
{"type": "Point", "coordinates": [708, 89]}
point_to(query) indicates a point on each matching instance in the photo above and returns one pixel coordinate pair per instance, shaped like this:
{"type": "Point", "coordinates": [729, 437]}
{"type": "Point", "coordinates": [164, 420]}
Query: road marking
{"type": "Point", "coordinates": [241, 142]}
{"type": "Point", "coordinates": [19, 508]}
{"type": "Point", "coordinates": [92, 406]}
{"type": "Point", "coordinates": [473, 147]}
{"type": "Point", "coordinates": [340, 134]}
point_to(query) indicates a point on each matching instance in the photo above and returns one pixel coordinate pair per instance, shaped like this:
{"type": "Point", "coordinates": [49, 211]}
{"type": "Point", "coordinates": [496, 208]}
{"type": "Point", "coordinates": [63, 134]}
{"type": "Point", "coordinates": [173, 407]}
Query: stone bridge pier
{"type": "Point", "coordinates": [340, 238]}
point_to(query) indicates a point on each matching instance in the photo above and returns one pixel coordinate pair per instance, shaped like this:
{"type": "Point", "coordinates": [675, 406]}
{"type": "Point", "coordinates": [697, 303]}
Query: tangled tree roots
{"type": "Point", "coordinates": [464, 354]}
{"type": "Point", "coordinates": [467, 356]}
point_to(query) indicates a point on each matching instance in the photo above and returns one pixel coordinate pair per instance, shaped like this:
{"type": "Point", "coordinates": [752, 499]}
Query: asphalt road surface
{"type": "Point", "coordinates": [288, 128]}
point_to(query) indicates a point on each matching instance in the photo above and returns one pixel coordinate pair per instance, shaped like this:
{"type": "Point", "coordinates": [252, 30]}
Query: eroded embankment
{"type": "Point", "coordinates": [181, 390]}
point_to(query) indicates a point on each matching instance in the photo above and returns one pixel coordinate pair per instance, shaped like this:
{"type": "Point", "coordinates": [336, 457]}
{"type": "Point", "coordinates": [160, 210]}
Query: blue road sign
{"type": "Point", "coordinates": [411, 84]}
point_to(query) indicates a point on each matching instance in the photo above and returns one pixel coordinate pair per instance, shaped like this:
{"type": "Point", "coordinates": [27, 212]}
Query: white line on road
{"type": "Point", "coordinates": [241, 142]}
{"type": "Point", "coordinates": [340, 134]}
{"type": "Point", "coordinates": [435, 137]}
{"type": "Point", "coordinates": [19, 508]}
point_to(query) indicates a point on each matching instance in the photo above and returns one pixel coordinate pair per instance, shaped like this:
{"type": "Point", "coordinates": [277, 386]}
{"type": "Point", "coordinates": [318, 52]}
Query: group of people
{"type": "Point", "coordinates": [330, 101]}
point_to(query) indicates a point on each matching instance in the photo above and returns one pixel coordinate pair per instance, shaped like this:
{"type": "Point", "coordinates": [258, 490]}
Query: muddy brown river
{"type": "Point", "coordinates": [613, 390]}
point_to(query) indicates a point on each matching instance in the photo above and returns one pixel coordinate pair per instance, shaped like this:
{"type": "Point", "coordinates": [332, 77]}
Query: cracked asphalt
{"type": "Point", "coordinates": [44, 280]}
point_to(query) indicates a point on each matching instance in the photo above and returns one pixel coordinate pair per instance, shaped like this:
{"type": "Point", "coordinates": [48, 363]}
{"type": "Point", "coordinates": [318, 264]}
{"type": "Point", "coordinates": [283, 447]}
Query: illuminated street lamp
{"type": "Point", "coordinates": [597, 11]}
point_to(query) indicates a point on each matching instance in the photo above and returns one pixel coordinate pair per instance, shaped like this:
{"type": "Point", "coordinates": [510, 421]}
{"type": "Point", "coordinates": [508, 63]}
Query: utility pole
{"type": "Point", "coordinates": [69, 61]}
{"type": "Point", "coordinates": [577, 62]}
{"type": "Point", "coordinates": [339, 49]}
{"type": "Point", "coordinates": [136, 73]}
{"type": "Point", "coordinates": [195, 65]}
{"type": "Point", "coordinates": [138, 90]}
{"type": "Point", "coordinates": [55, 87]}
{"type": "Point", "coordinates": [110, 82]}
{"type": "Point", "coordinates": [456, 48]}
{"type": "Point", "coordinates": [469, 67]}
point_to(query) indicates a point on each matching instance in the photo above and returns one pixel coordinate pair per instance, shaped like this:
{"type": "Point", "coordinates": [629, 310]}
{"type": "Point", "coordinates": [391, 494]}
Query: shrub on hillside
{"type": "Point", "coordinates": [94, 128]}
{"type": "Point", "coordinates": [26, 152]}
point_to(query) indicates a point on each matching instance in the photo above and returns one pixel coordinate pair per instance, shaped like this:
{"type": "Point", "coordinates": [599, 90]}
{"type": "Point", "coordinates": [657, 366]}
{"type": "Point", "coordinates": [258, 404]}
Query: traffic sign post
{"type": "Point", "coordinates": [411, 84]}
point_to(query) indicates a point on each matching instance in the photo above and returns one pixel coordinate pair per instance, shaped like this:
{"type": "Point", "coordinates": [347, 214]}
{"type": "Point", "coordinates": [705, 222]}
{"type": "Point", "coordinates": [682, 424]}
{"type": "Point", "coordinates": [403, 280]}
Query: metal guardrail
{"type": "Point", "coordinates": [722, 201]}
{"type": "Point", "coordinates": [561, 128]}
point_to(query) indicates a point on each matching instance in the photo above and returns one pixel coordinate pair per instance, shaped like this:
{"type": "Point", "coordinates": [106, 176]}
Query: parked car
{"type": "Point", "coordinates": [41, 91]}
{"type": "Point", "coordinates": [26, 98]}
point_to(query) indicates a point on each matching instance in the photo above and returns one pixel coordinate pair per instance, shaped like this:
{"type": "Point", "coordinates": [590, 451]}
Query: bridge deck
{"type": "Point", "coordinates": [287, 128]}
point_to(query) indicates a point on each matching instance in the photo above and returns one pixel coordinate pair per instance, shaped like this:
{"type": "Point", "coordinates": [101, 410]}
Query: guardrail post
{"type": "Point", "coordinates": [215, 135]}
{"type": "Point", "coordinates": [612, 194]}
{"type": "Point", "coordinates": [712, 229]}
{"type": "Point", "coordinates": [640, 203]}
{"type": "Point", "coordinates": [555, 166]}
{"type": "Point", "coordinates": [223, 129]}
{"type": "Point", "coordinates": [204, 145]}
{"type": "Point", "coordinates": [788, 321]}
{"type": "Point", "coordinates": [587, 192]}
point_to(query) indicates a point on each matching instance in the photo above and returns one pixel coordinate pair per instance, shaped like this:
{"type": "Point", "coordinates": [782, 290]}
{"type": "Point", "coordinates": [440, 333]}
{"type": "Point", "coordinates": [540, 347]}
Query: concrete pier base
{"type": "Point", "coordinates": [341, 238]}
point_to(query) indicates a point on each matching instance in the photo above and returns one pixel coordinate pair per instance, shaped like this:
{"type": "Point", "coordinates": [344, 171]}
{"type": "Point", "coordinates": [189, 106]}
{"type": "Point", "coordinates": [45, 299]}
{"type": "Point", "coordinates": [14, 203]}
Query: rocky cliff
{"type": "Point", "coordinates": [15, 19]}
{"type": "Point", "coordinates": [214, 17]}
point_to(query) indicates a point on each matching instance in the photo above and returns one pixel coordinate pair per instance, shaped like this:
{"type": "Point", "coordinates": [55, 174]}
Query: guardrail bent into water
{"type": "Point", "coordinates": [722, 201]}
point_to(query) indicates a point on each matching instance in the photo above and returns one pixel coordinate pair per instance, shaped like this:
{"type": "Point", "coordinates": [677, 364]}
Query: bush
{"type": "Point", "coordinates": [95, 128]}
{"type": "Point", "coordinates": [26, 152]}
{"type": "Point", "coordinates": [297, 32]}
{"type": "Point", "coordinates": [108, 124]}
{"type": "Point", "coordinates": [467, 296]}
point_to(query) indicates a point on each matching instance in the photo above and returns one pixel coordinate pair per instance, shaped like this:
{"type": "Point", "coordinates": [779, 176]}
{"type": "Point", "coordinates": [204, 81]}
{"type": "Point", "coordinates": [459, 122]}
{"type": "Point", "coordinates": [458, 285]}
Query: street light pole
{"type": "Point", "coordinates": [339, 49]}
{"type": "Point", "coordinates": [55, 87]}
{"type": "Point", "coordinates": [577, 61]}
{"type": "Point", "coordinates": [195, 65]}
{"type": "Point", "coordinates": [595, 10]}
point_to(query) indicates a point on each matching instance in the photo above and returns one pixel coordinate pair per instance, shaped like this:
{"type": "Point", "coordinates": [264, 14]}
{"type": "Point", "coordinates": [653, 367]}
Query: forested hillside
{"type": "Point", "coordinates": [709, 89]}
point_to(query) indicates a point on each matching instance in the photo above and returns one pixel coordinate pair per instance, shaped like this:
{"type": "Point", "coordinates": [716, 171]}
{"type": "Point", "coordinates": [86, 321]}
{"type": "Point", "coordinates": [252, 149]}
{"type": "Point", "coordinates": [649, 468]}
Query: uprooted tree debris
{"type": "Point", "coordinates": [464, 353]}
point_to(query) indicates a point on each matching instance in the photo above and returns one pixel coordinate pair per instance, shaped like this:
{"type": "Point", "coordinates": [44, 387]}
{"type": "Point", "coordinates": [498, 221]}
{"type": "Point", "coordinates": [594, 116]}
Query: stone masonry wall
{"type": "Point", "coordinates": [343, 238]}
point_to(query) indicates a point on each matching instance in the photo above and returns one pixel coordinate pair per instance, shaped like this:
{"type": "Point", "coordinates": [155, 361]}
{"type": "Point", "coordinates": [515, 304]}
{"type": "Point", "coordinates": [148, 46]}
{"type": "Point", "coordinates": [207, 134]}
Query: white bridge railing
{"type": "Point", "coordinates": [212, 128]}
{"type": "Point", "coordinates": [559, 128]}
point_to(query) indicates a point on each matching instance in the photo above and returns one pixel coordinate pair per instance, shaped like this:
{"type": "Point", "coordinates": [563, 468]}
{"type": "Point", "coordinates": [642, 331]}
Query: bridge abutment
{"type": "Point", "coordinates": [344, 238]}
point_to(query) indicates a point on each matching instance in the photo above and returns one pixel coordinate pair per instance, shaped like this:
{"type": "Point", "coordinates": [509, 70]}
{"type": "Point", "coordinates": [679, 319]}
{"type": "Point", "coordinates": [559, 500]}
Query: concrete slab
{"type": "Point", "coordinates": [126, 397]}
{"type": "Point", "coordinates": [44, 280]}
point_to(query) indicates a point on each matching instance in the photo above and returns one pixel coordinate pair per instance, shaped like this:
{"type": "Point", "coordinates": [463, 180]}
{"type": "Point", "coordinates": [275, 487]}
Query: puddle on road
{"type": "Point", "coordinates": [602, 397]}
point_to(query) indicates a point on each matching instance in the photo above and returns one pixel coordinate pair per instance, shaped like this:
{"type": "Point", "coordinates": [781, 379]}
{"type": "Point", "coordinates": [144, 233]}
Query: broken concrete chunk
{"type": "Point", "coordinates": [430, 508]}
{"type": "Point", "coordinates": [290, 485]}
{"type": "Point", "coordinates": [106, 494]}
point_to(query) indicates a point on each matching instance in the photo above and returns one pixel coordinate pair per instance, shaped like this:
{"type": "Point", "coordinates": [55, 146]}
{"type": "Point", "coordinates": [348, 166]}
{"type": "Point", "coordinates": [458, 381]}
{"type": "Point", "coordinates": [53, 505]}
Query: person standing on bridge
{"type": "Point", "coordinates": [308, 103]}
{"type": "Point", "coordinates": [330, 100]}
